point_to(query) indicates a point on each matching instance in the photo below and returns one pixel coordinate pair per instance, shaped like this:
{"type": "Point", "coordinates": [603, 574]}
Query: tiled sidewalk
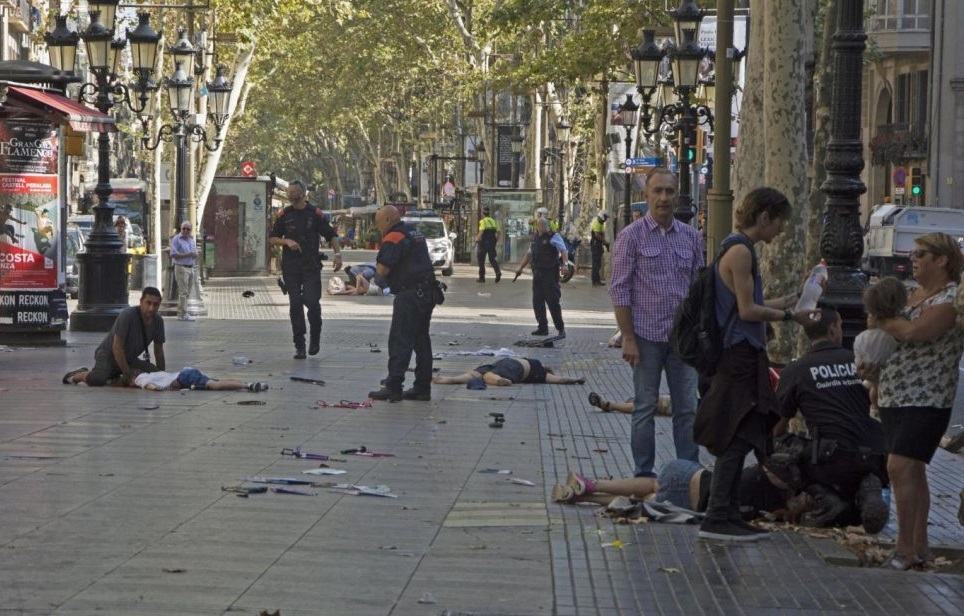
{"type": "Point", "coordinates": [111, 507]}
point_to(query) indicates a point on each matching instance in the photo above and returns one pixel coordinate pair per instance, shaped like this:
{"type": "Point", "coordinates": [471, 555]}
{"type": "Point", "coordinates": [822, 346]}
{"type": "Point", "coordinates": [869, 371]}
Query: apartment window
{"type": "Point", "coordinates": [910, 101]}
{"type": "Point", "coordinates": [901, 15]}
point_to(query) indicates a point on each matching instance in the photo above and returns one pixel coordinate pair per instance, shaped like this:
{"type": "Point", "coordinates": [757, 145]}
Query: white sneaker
{"type": "Point", "coordinates": [187, 317]}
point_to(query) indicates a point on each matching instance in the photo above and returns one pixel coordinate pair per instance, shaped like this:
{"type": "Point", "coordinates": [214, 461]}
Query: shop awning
{"type": "Point", "coordinates": [79, 117]}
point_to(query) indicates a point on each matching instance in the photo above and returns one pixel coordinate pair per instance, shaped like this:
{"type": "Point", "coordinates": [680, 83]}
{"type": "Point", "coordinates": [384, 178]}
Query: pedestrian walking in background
{"type": "Point", "coordinates": [124, 351]}
{"type": "Point", "coordinates": [184, 254]}
{"type": "Point", "coordinates": [597, 242]}
{"type": "Point", "coordinates": [120, 225]}
{"type": "Point", "coordinates": [917, 387]}
{"type": "Point", "coordinates": [298, 230]}
{"type": "Point", "coordinates": [655, 260]}
{"type": "Point", "coordinates": [403, 260]}
{"type": "Point", "coordinates": [486, 241]}
{"type": "Point", "coordinates": [548, 256]}
{"type": "Point", "coordinates": [738, 412]}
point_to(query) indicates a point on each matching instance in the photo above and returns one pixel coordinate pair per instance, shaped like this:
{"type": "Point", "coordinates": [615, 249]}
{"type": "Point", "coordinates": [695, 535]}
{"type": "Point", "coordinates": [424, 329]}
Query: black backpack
{"type": "Point", "coordinates": [696, 337]}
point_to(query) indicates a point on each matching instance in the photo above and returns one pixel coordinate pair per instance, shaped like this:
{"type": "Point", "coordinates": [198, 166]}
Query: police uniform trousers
{"type": "Point", "coordinates": [411, 317]}
{"type": "Point", "coordinates": [546, 292]}
{"type": "Point", "coordinates": [487, 250]}
{"type": "Point", "coordinates": [596, 248]}
{"type": "Point", "coordinates": [304, 291]}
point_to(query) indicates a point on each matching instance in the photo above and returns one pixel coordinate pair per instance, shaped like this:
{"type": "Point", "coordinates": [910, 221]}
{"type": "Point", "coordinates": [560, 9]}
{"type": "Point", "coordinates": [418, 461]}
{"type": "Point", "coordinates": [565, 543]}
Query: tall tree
{"type": "Point", "coordinates": [771, 149]}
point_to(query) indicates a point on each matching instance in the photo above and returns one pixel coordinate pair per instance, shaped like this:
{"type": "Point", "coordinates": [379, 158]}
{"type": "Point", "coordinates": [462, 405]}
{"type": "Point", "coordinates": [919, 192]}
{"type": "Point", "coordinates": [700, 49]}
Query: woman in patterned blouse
{"type": "Point", "coordinates": [917, 387]}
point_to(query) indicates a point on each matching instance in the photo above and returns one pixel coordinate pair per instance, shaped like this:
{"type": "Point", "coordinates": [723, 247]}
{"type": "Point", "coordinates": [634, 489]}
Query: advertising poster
{"type": "Point", "coordinates": [29, 206]}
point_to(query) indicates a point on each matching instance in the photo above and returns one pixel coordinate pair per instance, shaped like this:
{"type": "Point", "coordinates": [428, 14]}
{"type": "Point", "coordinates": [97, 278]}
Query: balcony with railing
{"type": "Point", "coordinates": [18, 15]}
{"type": "Point", "coordinates": [896, 144]}
{"type": "Point", "coordinates": [901, 26]}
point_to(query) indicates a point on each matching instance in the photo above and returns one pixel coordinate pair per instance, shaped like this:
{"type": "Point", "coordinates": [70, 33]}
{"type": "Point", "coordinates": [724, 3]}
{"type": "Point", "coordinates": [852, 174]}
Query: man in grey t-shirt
{"type": "Point", "coordinates": [120, 352]}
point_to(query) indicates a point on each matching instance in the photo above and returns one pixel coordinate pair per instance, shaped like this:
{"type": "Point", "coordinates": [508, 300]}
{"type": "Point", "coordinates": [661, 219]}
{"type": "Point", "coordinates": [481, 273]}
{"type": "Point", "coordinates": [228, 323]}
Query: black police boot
{"type": "Point", "coordinates": [282, 286]}
{"type": "Point", "coordinates": [392, 395]}
{"type": "Point", "coordinates": [874, 512]}
{"type": "Point", "coordinates": [498, 275]}
{"type": "Point", "coordinates": [415, 394]}
{"type": "Point", "coordinates": [828, 506]}
{"type": "Point", "coordinates": [541, 332]}
{"type": "Point", "coordinates": [314, 343]}
{"type": "Point", "coordinates": [300, 347]}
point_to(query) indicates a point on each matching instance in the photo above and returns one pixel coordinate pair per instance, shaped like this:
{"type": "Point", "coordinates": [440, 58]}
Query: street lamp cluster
{"type": "Point", "coordinates": [673, 114]}
{"type": "Point", "coordinates": [103, 265]}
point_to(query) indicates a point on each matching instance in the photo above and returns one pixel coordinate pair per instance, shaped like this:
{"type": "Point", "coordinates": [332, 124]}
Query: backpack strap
{"type": "Point", "coordinates": [726, 245]}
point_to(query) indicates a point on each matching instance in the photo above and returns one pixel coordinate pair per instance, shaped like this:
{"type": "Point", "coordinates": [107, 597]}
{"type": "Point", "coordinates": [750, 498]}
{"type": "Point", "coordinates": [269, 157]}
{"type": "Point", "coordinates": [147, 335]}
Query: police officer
{"type": "Point", "coordinates": [847, 457]}
{"type": "Point", "coordinates": [404, 261]}
{"type": "Point", "coordinates": [486, 241]}
{"type": "Point", "coordinates": [298, 230]}
{"type": "Point", "coordinates": [596, 243]}
{"type": "Point", "coordinates": [548, 254]}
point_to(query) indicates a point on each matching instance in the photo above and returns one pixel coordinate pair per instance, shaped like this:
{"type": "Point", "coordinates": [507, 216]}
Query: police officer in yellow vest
{"type": "Point", "coordinates": [485, 242]}
{"type": "Point", "coordinates": [596, 243]}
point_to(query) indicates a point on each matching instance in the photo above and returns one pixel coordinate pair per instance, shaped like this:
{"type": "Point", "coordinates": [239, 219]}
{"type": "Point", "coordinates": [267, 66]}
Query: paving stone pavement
{"type": "Point", "coordinates": [113, 506]}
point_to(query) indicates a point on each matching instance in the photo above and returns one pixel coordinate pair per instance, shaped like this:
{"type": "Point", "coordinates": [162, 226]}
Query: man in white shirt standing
{"type": "Point", "coordinates": [184, 254]}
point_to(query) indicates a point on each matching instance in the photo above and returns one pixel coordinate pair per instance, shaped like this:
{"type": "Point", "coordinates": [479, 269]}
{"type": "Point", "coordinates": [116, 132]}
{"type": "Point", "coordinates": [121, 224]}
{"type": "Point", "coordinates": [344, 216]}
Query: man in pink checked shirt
{"type": "Point", "coordinates": [655, 259]}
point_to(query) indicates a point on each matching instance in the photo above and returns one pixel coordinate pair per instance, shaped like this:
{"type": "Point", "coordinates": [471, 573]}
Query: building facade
{"type": "Point", "coordinates": [913, 107]}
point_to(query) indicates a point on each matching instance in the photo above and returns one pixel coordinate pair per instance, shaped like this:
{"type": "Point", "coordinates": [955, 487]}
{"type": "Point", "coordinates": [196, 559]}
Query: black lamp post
{"type": "Point", "coordinates": [841, 241]}
{"type": "Point", "coordinates": [180, 98]}
{"type": "Point", "coordinates": [103, 267]}
{"type": "Point", "coordinates": [562, 141]}
{"type": "Point", "coordinates": [517, 143]}
{"type": "Point", "coordinates": [480, 155]}
{"type": "Point", "coordinates": [627, 114]}
{"type": "Point", "coordinates": [673, 115]}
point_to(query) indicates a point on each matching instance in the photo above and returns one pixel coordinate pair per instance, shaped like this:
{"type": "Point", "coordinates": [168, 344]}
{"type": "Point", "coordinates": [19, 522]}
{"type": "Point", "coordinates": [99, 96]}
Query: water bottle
{"type": "Point", "coordinates": [813, 288]}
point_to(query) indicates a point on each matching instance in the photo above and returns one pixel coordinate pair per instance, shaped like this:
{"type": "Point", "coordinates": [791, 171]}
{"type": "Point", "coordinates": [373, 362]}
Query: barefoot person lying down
{"type": "Point", "coordinates": [508, 371]}
{"type": "Point", "coordinates": [191, 378]}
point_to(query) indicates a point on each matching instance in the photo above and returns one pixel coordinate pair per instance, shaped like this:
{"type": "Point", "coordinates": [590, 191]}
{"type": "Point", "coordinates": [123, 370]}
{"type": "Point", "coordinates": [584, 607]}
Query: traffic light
{"type": "Point", "coordinates": [689, 154]}
{"type": "Point", "coordinates": [917, 184]}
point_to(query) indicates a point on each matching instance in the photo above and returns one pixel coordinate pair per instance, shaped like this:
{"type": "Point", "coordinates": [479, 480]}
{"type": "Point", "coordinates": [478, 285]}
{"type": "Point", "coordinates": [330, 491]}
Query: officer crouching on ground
{"type": "Point", "coordinates": [297, 230]}
{"type": "Point", "coordinates": [404, 261]}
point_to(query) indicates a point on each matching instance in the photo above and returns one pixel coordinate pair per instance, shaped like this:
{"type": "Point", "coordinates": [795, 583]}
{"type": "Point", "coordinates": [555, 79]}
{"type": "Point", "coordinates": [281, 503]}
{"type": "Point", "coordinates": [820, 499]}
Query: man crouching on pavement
{"type": "Point", "coordinates": [130, 336]}
{"type": "Point", "coordinates": [404, 262]}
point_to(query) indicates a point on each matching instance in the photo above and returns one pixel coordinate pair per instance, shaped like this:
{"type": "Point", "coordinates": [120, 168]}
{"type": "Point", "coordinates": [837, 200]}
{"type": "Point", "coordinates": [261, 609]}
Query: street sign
{"type": "Point", "coordinates": [899, 191]}
{"type": "Point", "coordinates": [642, 162]}
{"type": "Point", "coordinates": [900, 177]}
{"type": "Point", "coordinates": [248, 169]}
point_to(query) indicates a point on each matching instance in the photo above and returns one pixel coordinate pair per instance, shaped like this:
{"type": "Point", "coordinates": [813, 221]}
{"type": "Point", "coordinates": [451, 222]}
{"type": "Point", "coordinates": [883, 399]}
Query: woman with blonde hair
{"type": "Point", "coordinates": [917, 386]}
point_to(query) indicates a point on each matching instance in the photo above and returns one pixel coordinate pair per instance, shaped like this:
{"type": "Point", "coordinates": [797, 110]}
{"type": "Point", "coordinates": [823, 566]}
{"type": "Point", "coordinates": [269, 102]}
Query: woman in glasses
{"type": "Point", "coordinates": [917, 386]}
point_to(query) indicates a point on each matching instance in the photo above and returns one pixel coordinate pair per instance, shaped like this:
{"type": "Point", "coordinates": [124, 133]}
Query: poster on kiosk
{"type": "Point", "coordinates": [31, 270]}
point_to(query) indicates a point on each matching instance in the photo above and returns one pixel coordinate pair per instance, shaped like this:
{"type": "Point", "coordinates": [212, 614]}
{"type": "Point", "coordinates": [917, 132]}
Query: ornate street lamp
{"type": "Point", "coordinates": [103, 267]}
{"type": "Point", "coordinates": [841, 241]}
{"type": "Point", "coordinates": [181, 103]}
{"type": "Point", "coordinates": [517, 143]}
{"type": "Point", "coordinates": [673, 116]}
{"type": "Point", "coordinates": [480, 154]}
{"type": "Point", "coordinates": [627, 114]}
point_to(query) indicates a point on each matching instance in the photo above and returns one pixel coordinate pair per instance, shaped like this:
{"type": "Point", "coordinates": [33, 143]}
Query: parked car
{"type": "Point", "coordinates": [441, 247]}
{"type": "Point", "coordinates": [75, 244]}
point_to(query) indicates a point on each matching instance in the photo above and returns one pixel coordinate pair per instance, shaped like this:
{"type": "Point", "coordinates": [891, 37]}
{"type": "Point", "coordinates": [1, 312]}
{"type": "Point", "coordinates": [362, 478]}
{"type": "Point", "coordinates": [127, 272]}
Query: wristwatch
{"type": "Point", "coordinates": [787, 315]}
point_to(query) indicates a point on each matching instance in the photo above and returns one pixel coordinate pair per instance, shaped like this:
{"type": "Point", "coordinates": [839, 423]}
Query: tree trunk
{"type": "Point", "coordinates": [241, 64]}
{"type": "Point", "coordinates": [771, 147]}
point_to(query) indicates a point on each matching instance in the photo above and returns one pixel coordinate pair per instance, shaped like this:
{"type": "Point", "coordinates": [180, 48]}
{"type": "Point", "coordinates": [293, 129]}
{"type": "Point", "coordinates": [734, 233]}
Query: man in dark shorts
{"type": "Point", "coordinates": [509, 371]}
{"type": "Point", "coordinates": [119, 354]}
